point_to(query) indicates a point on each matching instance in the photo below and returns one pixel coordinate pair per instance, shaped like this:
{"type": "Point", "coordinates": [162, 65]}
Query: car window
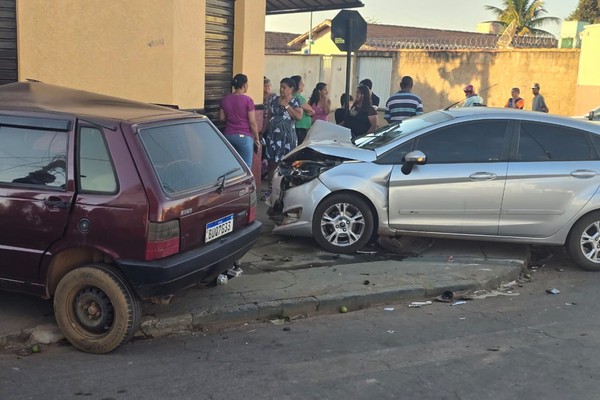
{"type": "Point", "coordinates": [96, 172]}
{"type": "Point", "coordinates": [396, 155]}
{"type": "Point", "coordinates": [465, 142]}
{"type": "Point", "coordinates": [396, 131]}
{"type": "Point", "coordinates": [545, 142]}
{"type": "Point", "coordinates": [188, 156]}
{"type": "Point", "coordinates": [33, 156]}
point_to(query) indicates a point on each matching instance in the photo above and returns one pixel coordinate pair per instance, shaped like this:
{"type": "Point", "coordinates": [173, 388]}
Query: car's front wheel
{"type": "Point", "coordinates": [343, 223]}
{"type": "Point", "coordinates": [95, 309]}
{"type": "Point", "coordinates": [583, 243]}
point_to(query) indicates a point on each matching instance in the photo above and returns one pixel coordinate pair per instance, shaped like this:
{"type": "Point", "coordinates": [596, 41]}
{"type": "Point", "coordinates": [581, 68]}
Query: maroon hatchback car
{"type": "Point", "coordinates": [106, 201]}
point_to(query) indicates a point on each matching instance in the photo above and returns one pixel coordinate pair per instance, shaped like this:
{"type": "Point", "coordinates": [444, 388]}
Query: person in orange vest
{"type": "Point", "coordinates": [515, 101]}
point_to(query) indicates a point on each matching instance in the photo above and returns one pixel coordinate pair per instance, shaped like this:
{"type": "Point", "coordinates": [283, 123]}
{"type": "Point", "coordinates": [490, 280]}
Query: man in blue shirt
{"type": "Point", "coordinates": [403, 104]}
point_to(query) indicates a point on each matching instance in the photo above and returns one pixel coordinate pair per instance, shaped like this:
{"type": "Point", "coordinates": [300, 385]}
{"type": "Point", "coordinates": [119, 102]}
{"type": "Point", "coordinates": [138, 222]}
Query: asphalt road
{"type": "Point", "coordinates": [533, 345]}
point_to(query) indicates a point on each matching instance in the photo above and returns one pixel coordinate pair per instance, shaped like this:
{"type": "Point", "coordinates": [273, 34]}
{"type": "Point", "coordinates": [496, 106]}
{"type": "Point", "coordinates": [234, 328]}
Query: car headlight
{"type": "Point", "coordinates": [298, 172]}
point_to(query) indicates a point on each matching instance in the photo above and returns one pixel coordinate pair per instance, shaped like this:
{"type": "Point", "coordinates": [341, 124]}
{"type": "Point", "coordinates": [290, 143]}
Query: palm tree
{"type": "Point", "coordinates": [527, 14]}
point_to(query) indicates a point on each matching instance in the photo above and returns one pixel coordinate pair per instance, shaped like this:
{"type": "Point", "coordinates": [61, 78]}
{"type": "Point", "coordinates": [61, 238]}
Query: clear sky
{"type": "Point", "coordinates": [460, 15]}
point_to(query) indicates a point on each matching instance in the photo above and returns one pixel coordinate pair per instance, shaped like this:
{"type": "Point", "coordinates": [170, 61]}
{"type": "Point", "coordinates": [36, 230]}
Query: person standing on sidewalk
{"type": "Point", "coordinates": [538, 103]}
{"type": "Point", "coordinates": [320, 102]}
{"type": "Point", "coordinates": [515, 101]}
{"type": "Point", "coordinates": [304, 123]}
{"type": "Point", "coordinates": [374, 98]}
{"type": "Point", "coordinates": [472, 99]}
{"type": "Point", "coordinates": [280, 136]}
{"type": "Point", "coordinates": [237, 111]}
{"type": "Point", "coordinates": [403, 104]}
{"type": "Point", "coordinates": [362, 117]}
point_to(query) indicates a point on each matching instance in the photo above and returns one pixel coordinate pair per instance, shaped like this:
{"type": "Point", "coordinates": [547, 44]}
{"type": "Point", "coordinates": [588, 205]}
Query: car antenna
{"type": "Point", "coordinates": [460, 101]}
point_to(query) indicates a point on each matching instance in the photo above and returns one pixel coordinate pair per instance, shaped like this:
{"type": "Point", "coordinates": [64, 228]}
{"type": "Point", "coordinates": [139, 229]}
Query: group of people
{"type": "Point", "coordinates": [288, 115]}
{"type": "Point", "coordinates": [538, 102]}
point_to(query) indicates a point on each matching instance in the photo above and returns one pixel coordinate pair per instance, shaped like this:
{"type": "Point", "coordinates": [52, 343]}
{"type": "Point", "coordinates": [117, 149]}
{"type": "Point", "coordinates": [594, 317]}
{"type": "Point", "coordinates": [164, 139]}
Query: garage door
{"type": "Point", "coordinates": [8, 42]}
{"type": "Point", "coordinates": [219, 55]}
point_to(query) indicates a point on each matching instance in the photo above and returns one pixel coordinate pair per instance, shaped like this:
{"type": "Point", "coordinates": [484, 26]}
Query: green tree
{"type": "Point", "coordinates": [528, 16]}
{"type": "Point", "coordinates": [587, 10]}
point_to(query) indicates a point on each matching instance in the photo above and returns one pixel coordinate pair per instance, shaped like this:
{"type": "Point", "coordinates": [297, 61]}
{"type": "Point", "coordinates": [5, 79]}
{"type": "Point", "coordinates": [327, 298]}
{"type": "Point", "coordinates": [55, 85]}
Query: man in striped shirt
{"type": "Point", "coordinates": [403, 104]}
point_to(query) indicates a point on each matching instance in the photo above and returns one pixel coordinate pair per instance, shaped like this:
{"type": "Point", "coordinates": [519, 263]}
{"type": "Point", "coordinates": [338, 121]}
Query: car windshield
{"type": "Point", "coordinates": [395, 131]}
{"type": "Point", "coordinates": [190, 156]}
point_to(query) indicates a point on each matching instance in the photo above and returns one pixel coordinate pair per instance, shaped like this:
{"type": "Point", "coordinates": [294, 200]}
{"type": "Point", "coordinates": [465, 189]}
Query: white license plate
{"type": "Point", "coordinates": [218, 228]}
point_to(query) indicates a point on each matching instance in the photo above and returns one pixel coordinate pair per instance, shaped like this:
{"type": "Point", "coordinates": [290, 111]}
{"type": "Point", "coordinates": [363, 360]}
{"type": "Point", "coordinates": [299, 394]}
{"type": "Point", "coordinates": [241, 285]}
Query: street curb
{"type": "Point", "coordinates": [236, 314]}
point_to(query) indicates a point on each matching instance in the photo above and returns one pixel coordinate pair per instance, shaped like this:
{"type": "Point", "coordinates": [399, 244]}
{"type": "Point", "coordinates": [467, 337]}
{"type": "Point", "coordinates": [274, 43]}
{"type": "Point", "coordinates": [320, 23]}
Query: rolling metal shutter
{"type": "Point", "coordinates": [219, 55]}
{"type": "Point", "coordinates": [8, 42]}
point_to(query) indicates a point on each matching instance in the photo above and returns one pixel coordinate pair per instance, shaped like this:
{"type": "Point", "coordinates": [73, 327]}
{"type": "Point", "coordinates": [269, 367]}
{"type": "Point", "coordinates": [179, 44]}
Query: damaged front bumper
{"type": "Point", "coordinates": [293, 208]}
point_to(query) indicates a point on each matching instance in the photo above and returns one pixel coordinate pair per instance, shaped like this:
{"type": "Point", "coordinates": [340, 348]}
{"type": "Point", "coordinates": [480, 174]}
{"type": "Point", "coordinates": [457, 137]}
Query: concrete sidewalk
{"type": "Point", "coordinates": [266, 294]}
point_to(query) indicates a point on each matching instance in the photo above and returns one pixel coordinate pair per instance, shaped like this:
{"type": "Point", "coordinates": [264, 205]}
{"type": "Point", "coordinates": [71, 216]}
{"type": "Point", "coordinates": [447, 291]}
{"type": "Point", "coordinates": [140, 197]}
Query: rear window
{"type": "Point", "coordinates": [190, 156]}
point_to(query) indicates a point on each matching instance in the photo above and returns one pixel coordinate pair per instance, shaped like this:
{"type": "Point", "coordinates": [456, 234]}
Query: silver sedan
{"type": "Point", "coordinates": [477, 173]}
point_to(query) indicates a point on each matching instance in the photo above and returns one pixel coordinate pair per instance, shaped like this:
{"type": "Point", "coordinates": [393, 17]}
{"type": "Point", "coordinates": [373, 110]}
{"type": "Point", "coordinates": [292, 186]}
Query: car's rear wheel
{"type": "Point", "coordinates": [95, 309]}
{"type": "Point", "coordinates": [583, 243]}
{"type": "Point", "coordinates": [343, 223]}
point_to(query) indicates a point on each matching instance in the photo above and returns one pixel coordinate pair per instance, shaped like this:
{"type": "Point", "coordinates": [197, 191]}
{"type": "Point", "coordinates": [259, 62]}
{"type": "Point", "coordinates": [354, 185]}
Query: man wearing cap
{"type": "Point", "coordinates": [473, 99]}
{"type": "Point", "coordinates": [538, 103]}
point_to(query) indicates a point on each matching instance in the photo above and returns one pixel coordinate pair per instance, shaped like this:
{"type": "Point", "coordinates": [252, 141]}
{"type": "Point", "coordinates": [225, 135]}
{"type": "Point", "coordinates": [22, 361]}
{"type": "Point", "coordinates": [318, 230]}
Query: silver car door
{"type": "Point", "coordinates": [459, 189]}
{"type": "Point", "coordinates": [553, 173]}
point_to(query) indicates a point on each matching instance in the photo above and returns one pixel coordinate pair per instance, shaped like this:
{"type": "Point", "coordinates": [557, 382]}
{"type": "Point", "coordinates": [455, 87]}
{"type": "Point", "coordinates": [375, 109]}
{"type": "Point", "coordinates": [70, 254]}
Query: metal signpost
{"type": "Point", "coordinates": [348, 32]}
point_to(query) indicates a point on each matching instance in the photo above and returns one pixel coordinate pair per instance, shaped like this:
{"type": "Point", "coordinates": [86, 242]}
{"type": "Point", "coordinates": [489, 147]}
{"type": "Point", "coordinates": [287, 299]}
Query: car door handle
{"type": "Point", "coordinates": [482, 176]}
{"type": "Point", "coordinates": [56, 202]}
{"type": "Point", "coordinates": [583, 174]}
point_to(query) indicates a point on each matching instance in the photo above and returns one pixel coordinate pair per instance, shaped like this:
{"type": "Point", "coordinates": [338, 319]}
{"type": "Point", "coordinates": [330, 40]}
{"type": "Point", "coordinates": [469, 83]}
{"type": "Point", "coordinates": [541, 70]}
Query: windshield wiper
{"type": "Point", "coordinates": [221, 179]}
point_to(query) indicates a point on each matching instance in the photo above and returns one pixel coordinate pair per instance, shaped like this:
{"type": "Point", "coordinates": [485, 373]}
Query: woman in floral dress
{"type": "Point", "coordinates": [280, 136]}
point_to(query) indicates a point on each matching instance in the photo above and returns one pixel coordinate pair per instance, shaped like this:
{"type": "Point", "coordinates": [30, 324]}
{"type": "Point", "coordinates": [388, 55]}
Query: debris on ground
{"type": "Point", "coordinates": [417, 304]}
{"type": "Point", "coordinates": [448, 296]}
{"type": "Point", "coordinates": [278, 321]}
{"type": "Point", "coordinates": [458, 303]}
{"type": "Point", "coordinates": [484, 294]}
{"type": "Point", "coordinates": [343, 309]}
{"type": "Point", "coordinates": [388, 309]}
{"type": "Point", "coordinates": [553, 291]}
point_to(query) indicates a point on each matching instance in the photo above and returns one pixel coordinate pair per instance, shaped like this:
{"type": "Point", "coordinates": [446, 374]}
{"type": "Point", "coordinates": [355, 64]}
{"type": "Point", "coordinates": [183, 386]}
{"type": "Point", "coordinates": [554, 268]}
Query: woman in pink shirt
{"type": "Point", "coordinates": [320, 102]}
{"type": "Point", "coordinates": [237, 110]}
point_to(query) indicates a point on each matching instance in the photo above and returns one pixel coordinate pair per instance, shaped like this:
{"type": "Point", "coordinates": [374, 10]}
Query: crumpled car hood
{"type": "Point", "coordinates": [334, 140]}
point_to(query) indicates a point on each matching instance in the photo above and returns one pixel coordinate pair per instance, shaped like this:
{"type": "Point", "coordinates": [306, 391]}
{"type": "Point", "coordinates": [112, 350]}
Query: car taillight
{"type": "Point", "coordinates": [252, 212]}
{"type": "Point", "coordinates": [163, 240]}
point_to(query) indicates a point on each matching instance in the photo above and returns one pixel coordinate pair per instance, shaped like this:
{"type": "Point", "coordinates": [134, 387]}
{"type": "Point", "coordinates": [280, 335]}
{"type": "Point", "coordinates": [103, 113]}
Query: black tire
{"type": "Point", "coordinates": [342, 223]}
{"type": "Point", "coordinates": [583, 243]}
{"type": "Point", "coordinates": [116, 311]}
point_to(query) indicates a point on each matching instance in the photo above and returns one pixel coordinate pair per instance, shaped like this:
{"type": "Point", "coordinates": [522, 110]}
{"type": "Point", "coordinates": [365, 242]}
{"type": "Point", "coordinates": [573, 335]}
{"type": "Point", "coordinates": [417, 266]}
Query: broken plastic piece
{"type": "Point", "coordinates": [458, 303]}
{"type": "Point", "coordinates": [553, 291]}
{"type": "Point", "coordinates": [416, 304]}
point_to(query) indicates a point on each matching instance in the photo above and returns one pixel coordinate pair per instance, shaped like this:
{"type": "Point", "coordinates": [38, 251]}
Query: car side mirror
{"type": "Point", "coordinates": [412, 158]}
{"type": "Point", "coordinates": [591, 116]}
